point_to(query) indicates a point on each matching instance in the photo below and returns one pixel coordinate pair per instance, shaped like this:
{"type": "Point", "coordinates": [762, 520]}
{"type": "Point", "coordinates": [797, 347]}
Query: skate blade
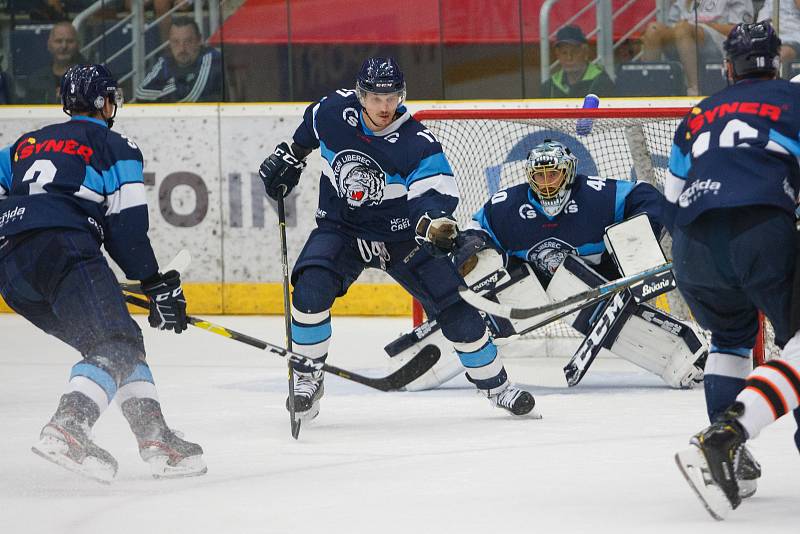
{"type": "Point", "coordinates": [308, 415]}
{"type": "Point", "coordinates": [694, 468]}
{"type": "Point", "coordinates": [747, 488]}
{"type": "Point", "coordinates": [191, 466]}
{"type": "Point", "coordinates": [55, 451]}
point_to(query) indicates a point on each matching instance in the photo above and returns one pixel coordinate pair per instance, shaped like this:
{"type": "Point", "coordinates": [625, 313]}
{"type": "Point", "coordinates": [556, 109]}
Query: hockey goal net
{"type": "Point", "coordinates": [487, 150]}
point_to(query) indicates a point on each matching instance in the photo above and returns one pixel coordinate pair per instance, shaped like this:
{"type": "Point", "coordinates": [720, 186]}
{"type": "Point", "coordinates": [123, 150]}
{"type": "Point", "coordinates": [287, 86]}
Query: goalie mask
{"type": "Point", "coordinates": [551, 169]}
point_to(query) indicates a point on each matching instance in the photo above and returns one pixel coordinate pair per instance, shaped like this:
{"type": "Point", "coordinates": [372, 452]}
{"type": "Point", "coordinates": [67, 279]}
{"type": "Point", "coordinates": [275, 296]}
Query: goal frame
{"type": "Point", "coordinates": [520, 113]}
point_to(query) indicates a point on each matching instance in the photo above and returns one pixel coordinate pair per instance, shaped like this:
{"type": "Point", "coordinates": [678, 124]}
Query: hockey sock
{"type": "Point", "coordinates": [93, 382]}
{"type": "Point", "coordinates": [139, 384]}
{"type": "Point", "coordinates": [311, 335]}
{"type": "Point", "coordinates": [484, 368]}
{"type": "Point", "coordinates": [771, 390]}
{"type": "Point", "coordinates": [724, 377]}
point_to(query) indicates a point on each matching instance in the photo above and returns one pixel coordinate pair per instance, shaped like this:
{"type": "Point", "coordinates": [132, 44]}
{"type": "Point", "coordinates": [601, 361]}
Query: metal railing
{"type": "Point", "coordinates": [138, 29]}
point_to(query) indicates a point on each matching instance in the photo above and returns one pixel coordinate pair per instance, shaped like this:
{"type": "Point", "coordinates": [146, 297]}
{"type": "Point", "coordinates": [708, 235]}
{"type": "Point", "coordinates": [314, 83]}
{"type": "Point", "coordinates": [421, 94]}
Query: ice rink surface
{"type": "Point", "coordinates": [600, 461]}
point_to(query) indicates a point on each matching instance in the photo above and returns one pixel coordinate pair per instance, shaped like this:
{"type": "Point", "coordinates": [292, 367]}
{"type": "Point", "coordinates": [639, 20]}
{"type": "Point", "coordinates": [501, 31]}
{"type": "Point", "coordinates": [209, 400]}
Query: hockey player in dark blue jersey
{"type": "Point", "coordinates": [550, 233]}
{"type": "Point", "coordinates": [734, 186]}
{"type": "Point", "coordinates": [65, 190]}
{"type": "Point", "coordinates": [386, 199]}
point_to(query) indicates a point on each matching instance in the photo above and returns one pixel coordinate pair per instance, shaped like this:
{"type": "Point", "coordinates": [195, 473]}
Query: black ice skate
{"type": "Point", "coordinates": [515, 401]}
{"type": "Point", "coordinates": [308, 390]}
{"type": "Point", "coordinates": [66, 440]}
{"type": "Point", "coordinates": [747, 473]}
{"type": "Point", "coordinates": [710, 466]}
{"type": "Point", "coordinates": [168, 455]}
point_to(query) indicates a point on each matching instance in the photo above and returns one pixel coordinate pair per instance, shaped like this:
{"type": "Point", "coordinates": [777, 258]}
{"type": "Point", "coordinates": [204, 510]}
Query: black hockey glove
{"type": "Point", "coordinates": [437, 233]}
{"type": "Point", "coordinates": [281, 171]}
{"type": "Point", "coordinates": [167, 304]}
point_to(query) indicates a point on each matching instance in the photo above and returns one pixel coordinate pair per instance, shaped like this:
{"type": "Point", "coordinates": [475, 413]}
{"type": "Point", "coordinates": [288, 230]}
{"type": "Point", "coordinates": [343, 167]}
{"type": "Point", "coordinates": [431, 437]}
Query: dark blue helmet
{"type": "Point", "coordinates": [753, 50]}
{"type": "Point", "coordinates": [380, 75]}
{"type": "Point", "coordinates": [84, 88]}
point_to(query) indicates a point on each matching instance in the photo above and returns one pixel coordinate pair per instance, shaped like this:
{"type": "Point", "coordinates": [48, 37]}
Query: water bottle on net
{"type": "Point", "coordinates": [584, 126]}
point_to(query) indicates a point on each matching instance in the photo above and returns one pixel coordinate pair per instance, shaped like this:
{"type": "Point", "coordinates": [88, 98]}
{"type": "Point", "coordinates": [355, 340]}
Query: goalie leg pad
{"type": "Point", "coordinates": [649, 337]}
{"type": "Point", "coordinates": [410, 344]}
{"type": "Point", "coordinates": [661, 344]}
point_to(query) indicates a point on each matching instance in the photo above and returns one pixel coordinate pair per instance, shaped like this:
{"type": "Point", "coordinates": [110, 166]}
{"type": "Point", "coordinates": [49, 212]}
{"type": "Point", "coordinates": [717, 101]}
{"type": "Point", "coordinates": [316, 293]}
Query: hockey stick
{"type": "Point", "coordinates": [599, 292]}
{"type": "Point", "coordinates": [413, 369]}
{"type": "Point", "coordinates": [610, 316]}
{"type": "Point", "coordinates": [179, 263]}
{"type": "Point", "coordinates": [287, 312]}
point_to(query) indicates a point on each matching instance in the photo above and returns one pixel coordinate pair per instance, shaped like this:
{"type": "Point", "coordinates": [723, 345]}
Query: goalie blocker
{"type": "Point", "coordinates": [640, 333]}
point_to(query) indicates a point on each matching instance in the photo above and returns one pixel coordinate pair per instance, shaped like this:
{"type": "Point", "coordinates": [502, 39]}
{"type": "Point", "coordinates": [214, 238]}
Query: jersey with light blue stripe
{"type": "Point", "coordinates": [366, 176]}
{"type": "Point", "coordinates": [5, 170]}
{"type": "Point", "coordinates": [739, 147]}
{"type": "Point", "coordinates": [519, 227]}
{"type": "Point", "coordinates": [81, 175]}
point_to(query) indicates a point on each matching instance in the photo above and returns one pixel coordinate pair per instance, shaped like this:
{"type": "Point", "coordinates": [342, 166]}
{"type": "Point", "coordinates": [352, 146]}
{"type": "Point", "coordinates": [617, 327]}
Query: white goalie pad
{"type": "Point", "coordinates": [487, 273]}
{"type": "Point", "coordinates": [448, 366]}
{"type": "Point", "coordinates": [649, 338]}
{"type": "Point", "coordinates": [633, 245]}
{"type": "Point", "coordinates": [663, 345]}
{"type": "Point", "coordinates": [635, 249]}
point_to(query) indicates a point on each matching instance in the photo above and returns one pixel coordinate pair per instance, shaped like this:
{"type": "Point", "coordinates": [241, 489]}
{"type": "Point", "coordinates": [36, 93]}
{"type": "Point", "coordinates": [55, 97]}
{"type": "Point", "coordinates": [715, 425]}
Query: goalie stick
{"type": "Point", "coordinates": [584, 297]}
{"type": "Point", "coordinates": [602, 331]}
{"type": "Point", "coordinates": [413, 369]}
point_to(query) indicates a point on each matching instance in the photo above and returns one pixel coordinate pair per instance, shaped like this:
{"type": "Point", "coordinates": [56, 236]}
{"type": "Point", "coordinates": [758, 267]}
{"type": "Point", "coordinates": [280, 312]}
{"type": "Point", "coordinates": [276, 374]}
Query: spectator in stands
{"type": "Point", "coordinates": [190, 72]}
{"type": "Point", "coordinates": [577, 77]}
{"type": "Point", "coordinates": [682, 39]}
{"type": "Point", "coordinates": [43, 86]}
{"type": "Point", "coordinates": [789, 32]}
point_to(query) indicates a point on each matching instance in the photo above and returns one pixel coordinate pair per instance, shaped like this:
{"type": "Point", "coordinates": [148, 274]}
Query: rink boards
{"type": "Point", "coordinates": [204, 194]}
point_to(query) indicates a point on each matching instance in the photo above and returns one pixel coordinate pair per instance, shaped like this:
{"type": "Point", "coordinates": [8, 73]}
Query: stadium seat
{"type": "Point", "coordinates": [29, 48]}
{"type": "Point", "coordinates": [712, 78]}
{"type": "Point", "coordinates": [650, 78]}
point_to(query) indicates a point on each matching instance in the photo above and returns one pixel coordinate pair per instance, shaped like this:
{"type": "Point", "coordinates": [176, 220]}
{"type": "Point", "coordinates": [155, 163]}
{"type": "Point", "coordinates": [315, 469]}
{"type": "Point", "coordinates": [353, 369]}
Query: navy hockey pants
{"type": "Point", "coordinates": [730, 263]}
{"type": "Point", "coordinates": [59, 280]}
{"type": "Point", "coordinates": [432, 281]}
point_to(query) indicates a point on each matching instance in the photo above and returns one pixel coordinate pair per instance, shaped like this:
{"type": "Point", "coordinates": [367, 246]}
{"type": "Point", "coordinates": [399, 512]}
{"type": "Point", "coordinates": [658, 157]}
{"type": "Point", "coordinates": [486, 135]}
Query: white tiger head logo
{"type": "Point", "coordinates": [359, 179]}
{"type": "Point", "coordinates": [363, 185]}
{"type": "Point", "coordinates": [547, 255]}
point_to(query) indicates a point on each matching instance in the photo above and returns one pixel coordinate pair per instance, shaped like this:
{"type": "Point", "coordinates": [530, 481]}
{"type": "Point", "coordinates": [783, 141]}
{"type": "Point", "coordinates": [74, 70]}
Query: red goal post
{"type": "Point", "coordinates": [487, 150]}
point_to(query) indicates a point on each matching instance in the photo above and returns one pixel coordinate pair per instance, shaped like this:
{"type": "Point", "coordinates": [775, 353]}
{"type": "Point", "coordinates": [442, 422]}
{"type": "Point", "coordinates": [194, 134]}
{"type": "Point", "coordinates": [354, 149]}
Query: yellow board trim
{"type": "Point", "coordinates": [267, 299]}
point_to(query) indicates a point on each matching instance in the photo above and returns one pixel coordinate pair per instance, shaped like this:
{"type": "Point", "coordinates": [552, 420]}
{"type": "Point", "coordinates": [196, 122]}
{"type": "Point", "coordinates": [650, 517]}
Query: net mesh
{"type": "Point", "coordinates": [487, 151]}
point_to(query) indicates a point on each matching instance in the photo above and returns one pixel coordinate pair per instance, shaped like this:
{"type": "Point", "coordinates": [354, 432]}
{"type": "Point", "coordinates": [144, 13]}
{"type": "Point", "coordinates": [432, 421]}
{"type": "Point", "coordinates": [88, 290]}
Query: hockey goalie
{"type": "Point", "coordinates": [557, 235]}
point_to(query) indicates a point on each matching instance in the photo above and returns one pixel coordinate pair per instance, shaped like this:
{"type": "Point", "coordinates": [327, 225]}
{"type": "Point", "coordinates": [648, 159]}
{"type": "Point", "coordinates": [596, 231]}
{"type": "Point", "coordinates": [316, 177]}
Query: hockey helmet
{"type": "Point", "coordinates": [380, 75]}
{"type": "Point", "coordinates": [551, 168]}
{"type": "Point", "coordinates": [753, 50]}
{"type": "Point", "coordinates": [84, 88]}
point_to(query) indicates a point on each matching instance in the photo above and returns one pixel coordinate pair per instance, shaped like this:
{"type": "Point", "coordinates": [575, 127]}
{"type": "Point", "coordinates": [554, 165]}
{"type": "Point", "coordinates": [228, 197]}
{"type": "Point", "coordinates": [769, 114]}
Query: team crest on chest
{"type": "Point", "coordinates": [547, 255]}
{"type": "Point", "coordinates": [359, 178]}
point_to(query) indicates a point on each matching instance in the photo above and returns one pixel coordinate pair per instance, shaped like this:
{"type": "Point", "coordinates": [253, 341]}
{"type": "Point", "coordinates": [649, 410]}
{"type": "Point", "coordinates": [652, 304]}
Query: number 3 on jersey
{"type": "Point", "coordinates": [41, 173]}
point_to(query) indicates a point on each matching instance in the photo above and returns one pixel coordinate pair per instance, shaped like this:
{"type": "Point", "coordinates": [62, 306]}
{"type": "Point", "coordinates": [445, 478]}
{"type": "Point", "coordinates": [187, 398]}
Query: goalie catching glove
{"type": "Point", "coordinates": [281, 171]}
{"type": "Point", "coordinates": [167, 303]}
{"type": "Point", "coordinates": [437, 233]}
